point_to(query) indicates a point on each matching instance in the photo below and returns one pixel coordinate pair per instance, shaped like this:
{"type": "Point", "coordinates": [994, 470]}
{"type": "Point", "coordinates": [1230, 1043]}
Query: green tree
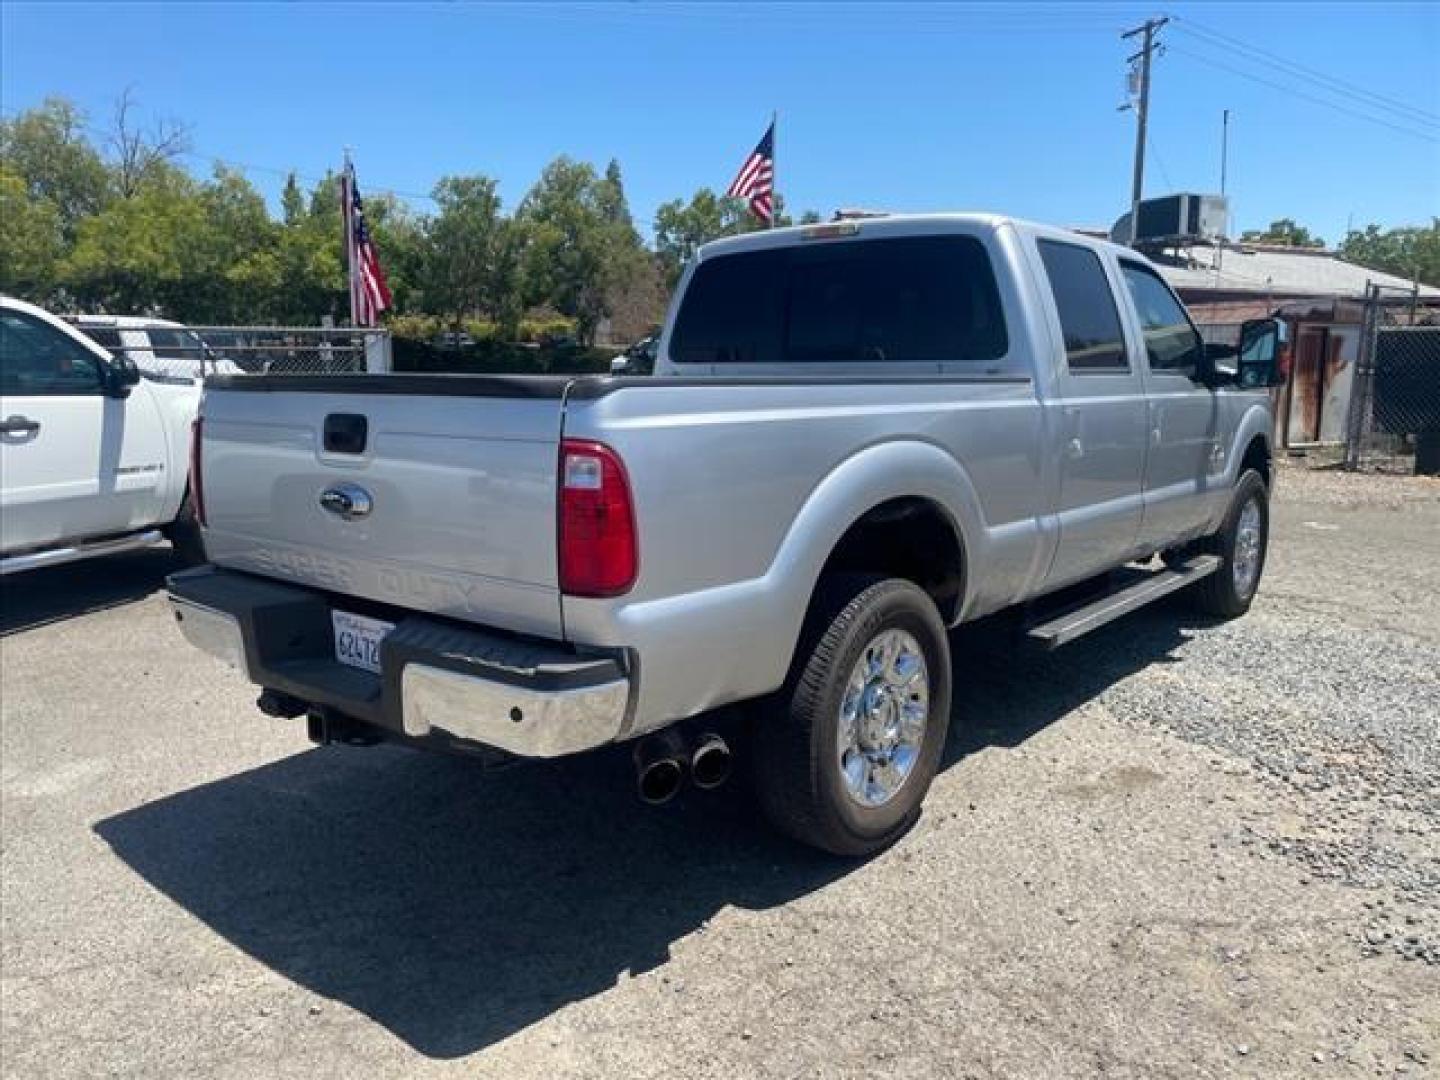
{"type": "Point", "coordinates": [467, 267]}
{"type": "Point", "coordinates": [631, 283]}
{"type": "Point", "coordinates": [31, 241]}
{"type": "Point", "coordinates": [311, 255]}
{"type": "Point", "coordinates": [1283, 231]}
{"type": "Point", "coordinates": [141, 254]}
{"type": "Point", "coordinates": [325, 200]}
{"type": "Point", "coordinates": [398, 234]}
{"type": "Point", "coordinates": [47, 150]}
{"type": "Point", "coordinates": [238, 271]}
{"type": "Point", "coordinates": [681, 228]}
{"type": "Point", "coordinates": [579, 242]}
{"type": "Point", "coordinates": [611, 198]}
{"type": "Point", "coordinates": [1411, 252]}
{"type": "Point", "coordinates": [292, 202]}
{"type": "Point", "coordinates": [507, 297]}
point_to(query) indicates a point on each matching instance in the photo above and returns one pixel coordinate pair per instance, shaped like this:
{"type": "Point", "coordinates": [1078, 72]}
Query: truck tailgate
{"type": "Point", "coordinates": [460, 478]}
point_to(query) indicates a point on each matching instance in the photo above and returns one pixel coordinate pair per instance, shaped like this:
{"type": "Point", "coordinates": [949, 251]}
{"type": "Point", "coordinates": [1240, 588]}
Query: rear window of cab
{"type": "Point", "coordinates": [906, 300]}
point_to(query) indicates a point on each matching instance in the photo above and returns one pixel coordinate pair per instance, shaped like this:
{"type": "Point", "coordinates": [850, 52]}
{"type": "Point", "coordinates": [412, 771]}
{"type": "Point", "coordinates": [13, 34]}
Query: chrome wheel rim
{"type": "Point", "coordinates": [883, 716]}
{"type": "Point", "coordinates": [1245, 561]}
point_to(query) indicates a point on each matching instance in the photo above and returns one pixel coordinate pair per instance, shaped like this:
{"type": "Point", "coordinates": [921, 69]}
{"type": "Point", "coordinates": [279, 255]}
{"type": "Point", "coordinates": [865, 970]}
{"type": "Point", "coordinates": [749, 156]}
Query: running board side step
{"type": "Point", "coordinates": [1072, 624]}
{"type": "Point", "coordinates": [34, 560]}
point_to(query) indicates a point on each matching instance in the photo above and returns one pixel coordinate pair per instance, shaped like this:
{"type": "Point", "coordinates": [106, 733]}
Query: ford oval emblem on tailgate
{"type": "Point", "coordinates": [348, 501]}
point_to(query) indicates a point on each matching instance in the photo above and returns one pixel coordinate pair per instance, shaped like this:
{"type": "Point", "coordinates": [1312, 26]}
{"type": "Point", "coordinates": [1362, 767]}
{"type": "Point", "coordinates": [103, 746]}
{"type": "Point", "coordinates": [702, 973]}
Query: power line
{"type": "Point", "coordinates": [1379, 101]}
{"type": "Point", "coordinates": [308, 178]}
{"type": "Point", "coordinates": [1424, 135]}
{"type": "Point", "coordinates": [1154, 149]}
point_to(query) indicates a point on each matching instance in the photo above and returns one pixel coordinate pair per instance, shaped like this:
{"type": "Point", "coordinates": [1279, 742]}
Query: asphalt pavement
{"type": "Point", "coordinates": [1174, 848]}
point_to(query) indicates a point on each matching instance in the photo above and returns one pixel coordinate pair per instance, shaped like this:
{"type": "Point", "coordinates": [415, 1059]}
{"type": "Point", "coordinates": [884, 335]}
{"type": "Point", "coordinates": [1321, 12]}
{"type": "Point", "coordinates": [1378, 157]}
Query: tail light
{"type": "Point", "coordinates": [197, 480]}
{"type": "Point", "coordinates": [598, 553]}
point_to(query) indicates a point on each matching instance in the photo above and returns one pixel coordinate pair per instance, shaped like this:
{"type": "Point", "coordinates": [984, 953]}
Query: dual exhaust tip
{"type": "Point", "coordinates": [663, 761]}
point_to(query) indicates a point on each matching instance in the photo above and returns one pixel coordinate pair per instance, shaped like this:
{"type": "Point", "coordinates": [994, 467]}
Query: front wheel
{"type": "Point", "coordinates": [1241, 544]}
{"type": "Point", "coordinates": [846, 751]}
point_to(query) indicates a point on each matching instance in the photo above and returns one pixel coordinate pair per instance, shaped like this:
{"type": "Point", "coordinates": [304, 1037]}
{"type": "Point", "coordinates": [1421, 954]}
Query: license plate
{"type": "Point", "coordinates": [357, 639]}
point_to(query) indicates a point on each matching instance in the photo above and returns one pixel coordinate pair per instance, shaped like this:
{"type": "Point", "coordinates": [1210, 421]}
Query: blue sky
{"type": "Point", "coordinates": [907, 107]}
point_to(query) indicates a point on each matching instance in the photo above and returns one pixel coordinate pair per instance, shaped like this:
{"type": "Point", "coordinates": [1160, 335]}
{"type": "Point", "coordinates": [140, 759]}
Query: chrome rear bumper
{"type": "Point", "coordinates": [529, 723]}
{"type": "Point", "coordinates": [211, 631]}
{"type": "Point", "coordinates": [441, 683]}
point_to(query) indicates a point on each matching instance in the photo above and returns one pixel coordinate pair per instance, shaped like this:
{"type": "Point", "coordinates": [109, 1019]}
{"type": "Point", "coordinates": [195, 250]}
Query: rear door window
{"type": "Point", "coordinates": [910, 300]}
{"type": "Point", "coordinates": [1089, 320]}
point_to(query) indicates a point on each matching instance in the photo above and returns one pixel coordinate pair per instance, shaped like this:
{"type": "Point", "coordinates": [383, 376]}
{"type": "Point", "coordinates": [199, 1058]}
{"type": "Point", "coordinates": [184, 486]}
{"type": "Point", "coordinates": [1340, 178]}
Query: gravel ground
{"type": "Point", "coordinates": [1175, 848]}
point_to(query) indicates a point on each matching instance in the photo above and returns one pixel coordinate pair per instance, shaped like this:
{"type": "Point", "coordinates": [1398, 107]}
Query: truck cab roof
{"type": "Point", "coordinates": [127, 322]}
{"type": "Point", "coordinates": [895, 225]}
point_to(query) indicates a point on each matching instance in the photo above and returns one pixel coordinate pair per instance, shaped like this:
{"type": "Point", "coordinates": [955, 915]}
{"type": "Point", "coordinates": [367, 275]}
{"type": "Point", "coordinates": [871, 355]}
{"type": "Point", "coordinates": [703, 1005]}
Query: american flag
{"type": "Point", "coordinates": [756, 179]}
{"type": "Point", "coordinates": [369, 295]}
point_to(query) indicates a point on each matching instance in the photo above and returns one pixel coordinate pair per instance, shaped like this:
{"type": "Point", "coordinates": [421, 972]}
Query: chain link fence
{"type": "Point", "coordinates": [289, 350]}
{"type": "Point", "coordinates": [1393, 423]}
{"type": "Point", "coordinates": [167, 352]}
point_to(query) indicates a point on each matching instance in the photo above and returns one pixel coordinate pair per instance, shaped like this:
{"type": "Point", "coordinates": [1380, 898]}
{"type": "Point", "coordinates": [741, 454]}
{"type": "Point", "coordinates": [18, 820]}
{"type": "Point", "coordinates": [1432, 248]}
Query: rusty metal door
{"type": "Point", "coordinates": [1307, 396]}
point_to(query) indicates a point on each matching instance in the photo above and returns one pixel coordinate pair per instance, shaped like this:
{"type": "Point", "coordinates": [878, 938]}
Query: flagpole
{"type": "Point", "coordinates": [346, 195]}
{"type": "Point", "coordinates": [774, 172]}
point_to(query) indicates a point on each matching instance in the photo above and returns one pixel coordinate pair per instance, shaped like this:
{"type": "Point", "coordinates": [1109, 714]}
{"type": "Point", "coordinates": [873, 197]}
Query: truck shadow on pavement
{"type": "Point", "coordinates": [1006, 691]}
{"type": "Point", "coordinates": [39, 597]}
{"type": "Point", "coordinates": [456, 906]}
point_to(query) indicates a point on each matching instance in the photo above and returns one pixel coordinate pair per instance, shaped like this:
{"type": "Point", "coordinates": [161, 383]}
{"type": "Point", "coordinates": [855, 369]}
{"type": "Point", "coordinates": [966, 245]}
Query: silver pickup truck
{"type": "Point", "coordinates": [858, 434]}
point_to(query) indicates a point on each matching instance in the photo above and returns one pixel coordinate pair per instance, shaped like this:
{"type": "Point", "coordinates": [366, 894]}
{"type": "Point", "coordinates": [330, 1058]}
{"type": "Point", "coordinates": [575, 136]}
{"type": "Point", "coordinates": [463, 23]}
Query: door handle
{"type": "Point", "coordinates": [19, 425]}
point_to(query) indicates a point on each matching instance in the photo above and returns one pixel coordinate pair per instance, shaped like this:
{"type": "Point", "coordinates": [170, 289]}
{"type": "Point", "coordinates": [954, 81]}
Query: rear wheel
{"type": "Point", "coordinates": [1241, 544]}
{"type": "Point", "coordinates": [845, 753]}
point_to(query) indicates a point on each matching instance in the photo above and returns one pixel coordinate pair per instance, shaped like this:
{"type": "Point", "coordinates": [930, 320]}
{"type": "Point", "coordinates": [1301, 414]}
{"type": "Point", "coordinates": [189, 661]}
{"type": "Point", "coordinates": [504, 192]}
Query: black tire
{"type": "Point", "coordinates": [184, 534]}
{"type": "Point", "coordinates": [796, 763]}
{"type": "Point", "coordinates": [1219, 594]}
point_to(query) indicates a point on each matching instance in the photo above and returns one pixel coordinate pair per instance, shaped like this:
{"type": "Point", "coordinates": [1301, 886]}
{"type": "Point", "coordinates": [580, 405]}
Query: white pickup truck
{"type": "Point", "coordinates": [857, 435]}
{"type": "Point", "coordinates": [93, 456]}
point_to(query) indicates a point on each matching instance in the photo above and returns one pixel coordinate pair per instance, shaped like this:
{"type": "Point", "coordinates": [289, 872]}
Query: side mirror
{"type": "Point", "coordinates": [620, 365]}
{"type": "Point", "coordinates": [1258, 364]}
{"type": "Point", "coordinates": [121, 375]}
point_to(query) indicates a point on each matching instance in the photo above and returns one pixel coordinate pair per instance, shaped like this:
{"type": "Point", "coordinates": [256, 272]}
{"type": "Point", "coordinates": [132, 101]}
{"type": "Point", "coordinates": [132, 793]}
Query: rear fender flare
{"type": "Point", "coordinates": [875, 475]}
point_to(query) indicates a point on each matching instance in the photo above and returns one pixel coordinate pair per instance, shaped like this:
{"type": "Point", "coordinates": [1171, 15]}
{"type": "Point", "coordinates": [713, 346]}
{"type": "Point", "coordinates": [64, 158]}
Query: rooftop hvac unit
{"type": "Point", "coordinates": [1176, 219]}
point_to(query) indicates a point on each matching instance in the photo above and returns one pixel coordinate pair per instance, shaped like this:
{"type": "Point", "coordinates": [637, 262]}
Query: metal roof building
{"type": "Point", "coordinates": [1254, 271]}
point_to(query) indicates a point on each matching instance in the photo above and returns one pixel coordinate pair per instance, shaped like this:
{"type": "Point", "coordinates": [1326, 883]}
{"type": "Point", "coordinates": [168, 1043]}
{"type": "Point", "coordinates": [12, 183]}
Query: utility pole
{"type": "Point", "coordinates": [1224, 160]}
{"type": "Point", "coordinates": [1224, 147]}
{"type": "Point", "coordinates": [1142, 115]}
